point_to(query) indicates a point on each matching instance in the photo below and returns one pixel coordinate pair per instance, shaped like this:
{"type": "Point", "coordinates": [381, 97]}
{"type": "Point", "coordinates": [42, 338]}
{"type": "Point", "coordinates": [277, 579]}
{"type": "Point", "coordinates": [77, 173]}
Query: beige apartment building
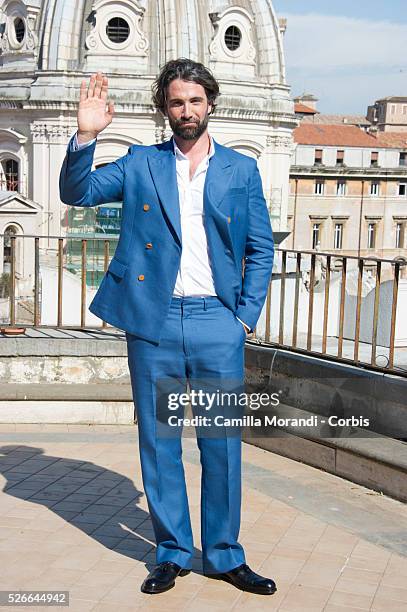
{"type": "Point", "coordinates": [348, 186]}
{"type": "Point", "coordinates": [389, 114]}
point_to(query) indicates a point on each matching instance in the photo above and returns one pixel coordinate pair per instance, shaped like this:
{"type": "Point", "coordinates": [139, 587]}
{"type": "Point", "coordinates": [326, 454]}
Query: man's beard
{"type": "Point", "coordinates": [189, 133]}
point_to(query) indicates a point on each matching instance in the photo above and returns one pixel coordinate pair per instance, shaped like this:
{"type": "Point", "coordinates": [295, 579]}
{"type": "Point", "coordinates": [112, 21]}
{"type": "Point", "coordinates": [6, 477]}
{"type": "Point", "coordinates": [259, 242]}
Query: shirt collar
{"type": "Point", "coordinates": [180, 155]}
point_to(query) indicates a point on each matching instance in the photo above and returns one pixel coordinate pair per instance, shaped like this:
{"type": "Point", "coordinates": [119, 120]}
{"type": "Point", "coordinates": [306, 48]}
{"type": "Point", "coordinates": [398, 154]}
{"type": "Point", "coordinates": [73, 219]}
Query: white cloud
{"type": "Point", "coordinates": [346, 61]}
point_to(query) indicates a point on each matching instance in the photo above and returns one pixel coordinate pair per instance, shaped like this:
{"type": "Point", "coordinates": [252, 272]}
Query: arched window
{"type": "Point", "coordinates": [9, 178]}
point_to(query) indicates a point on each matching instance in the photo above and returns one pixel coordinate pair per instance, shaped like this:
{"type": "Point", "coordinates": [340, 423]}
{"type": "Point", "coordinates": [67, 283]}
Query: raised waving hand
{"type": "Point", "coordinates": [95, 112]}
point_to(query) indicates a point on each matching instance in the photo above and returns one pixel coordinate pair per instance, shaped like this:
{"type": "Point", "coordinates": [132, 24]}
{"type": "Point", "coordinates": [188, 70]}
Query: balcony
{"type": "Point", "coordinates": [339, 307]}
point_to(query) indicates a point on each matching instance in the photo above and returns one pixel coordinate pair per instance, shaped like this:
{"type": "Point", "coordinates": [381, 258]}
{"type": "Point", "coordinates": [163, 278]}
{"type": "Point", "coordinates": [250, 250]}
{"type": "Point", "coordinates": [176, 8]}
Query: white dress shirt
{"type": "Point", "coordinates": [194, 276]}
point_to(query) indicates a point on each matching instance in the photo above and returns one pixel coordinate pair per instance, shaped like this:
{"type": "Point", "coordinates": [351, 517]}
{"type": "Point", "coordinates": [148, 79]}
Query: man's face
{"type": "Point", "coordinates": [187, 109]}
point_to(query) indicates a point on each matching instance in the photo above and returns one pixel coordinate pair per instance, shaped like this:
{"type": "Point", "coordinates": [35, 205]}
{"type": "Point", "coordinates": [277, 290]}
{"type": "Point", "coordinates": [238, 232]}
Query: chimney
{"type": "Point", "coordinates": [308, 100]}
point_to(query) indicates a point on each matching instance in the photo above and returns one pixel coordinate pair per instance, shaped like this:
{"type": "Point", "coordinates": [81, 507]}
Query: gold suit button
{"type": "Point", "coordinates": [146, 207]}
{"type": "Point", "coordinates": [149, 245]}
{"type": "Point", "coordinates": [140, 277]}
{"type": "Point", "coordinates": [229, 219]}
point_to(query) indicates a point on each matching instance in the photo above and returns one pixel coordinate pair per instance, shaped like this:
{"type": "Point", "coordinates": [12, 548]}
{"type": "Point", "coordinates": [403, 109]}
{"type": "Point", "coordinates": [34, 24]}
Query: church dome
{"type": "Point", "coordinates": [47, 47]}
{"type": "Point", "coordinates": [240, 40]}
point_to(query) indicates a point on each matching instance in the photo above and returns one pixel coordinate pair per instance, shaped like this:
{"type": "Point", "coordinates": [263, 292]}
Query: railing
{"type": "Point", "coordinates": [356, 326]}
{"type": "Point", "coordinates": [339, 307]}
{"type": "Point", "coordinates": [10, 184]}
{"type": "Point", "coordinates": [22, 283]}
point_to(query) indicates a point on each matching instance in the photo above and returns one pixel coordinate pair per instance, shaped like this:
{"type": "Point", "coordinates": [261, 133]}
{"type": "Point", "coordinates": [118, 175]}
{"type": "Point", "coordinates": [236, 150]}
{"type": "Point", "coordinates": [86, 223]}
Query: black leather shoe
{"type": "Point", "coordinates": [162, 577]}
{"type": "Point", "coordinates": [245, 579]}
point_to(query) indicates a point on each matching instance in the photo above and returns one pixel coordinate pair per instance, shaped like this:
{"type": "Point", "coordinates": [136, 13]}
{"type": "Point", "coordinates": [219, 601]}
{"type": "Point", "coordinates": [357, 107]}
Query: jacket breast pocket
{"type": "Point", "coordinates": [234, 191]}
{"type": "Point", "coordinates": [117, 268]}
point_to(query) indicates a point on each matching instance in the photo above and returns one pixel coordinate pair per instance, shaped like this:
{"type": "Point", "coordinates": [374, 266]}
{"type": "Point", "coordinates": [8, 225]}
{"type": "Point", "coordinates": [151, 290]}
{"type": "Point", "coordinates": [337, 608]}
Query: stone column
{"type": "Point", "coordinates": [40, 172]}
{"type": "Point", "coordinates": [49, 146]}
{"type": "Point", "coordinates": [58, 138]}
{"type": "Point", "coordinates": [274, 165]}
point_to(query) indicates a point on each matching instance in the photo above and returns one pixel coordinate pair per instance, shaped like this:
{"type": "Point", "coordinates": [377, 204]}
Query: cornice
{"type": "Point", "coordinates": [10, 104]}
{"type": "Point", "coordinates": [271, 118]}
{"type": "Point", "coordinates": [64, 105]}
{"type": "Point", "coordinates": [355, 172]}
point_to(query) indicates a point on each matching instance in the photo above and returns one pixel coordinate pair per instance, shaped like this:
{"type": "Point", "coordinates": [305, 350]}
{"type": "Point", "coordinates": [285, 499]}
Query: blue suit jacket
{"type": "Point", "coordinates": [136, 291]}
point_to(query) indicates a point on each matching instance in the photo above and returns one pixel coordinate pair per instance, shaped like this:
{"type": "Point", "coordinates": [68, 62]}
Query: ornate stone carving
{"type": "Point", "coordinates": [98, 42]}
{"type": "Point", "coordinates": [159, 133]}
{"type": "Point", "coordinates": [58, 133]}
{"type": "Point", "coordinates": [39, 132]}
{"type": "Point", "coordinates": [91, 42]}
{"type": "Point", "coordinates": [9, 44]}
{"type": "Point", "coordinates": [242, 58]}
{"type": "Point", "coordinates": [167, 133]}
{"type": "Point", "coordinates": [44, 133]}
{"type": "Point", "coordinates": [281, 143]}
{"type": "Point", "coordinates": [4, 47]}
{"type": "Point", "coordinates": [162, 133]}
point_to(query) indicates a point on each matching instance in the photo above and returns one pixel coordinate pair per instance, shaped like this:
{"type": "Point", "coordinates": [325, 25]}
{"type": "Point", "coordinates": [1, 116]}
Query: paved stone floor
{"type": "Point", "coordinates": [73, 517]}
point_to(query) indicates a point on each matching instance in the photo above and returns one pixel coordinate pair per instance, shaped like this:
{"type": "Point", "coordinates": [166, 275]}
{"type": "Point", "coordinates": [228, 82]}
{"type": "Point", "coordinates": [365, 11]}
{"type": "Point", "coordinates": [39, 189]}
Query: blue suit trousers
{"type": "Point", "coordinates": [201, 340]}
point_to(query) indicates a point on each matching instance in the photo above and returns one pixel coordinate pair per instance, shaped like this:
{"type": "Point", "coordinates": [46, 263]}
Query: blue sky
{"type": "Point", "coordinates": [348, 53]}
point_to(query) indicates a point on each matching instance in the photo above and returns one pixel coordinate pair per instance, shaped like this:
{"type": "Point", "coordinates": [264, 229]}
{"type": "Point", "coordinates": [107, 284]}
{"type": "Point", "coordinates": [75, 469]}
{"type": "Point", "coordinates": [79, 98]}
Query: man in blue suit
{"type": "Point", "coordinates": [187, 283]}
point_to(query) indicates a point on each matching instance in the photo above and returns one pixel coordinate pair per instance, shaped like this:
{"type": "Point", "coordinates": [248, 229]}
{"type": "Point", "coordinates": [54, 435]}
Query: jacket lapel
{"type": "Point", "coordinates": [218, 178]}
{"type": "Point", "coordinates": [164, 174]}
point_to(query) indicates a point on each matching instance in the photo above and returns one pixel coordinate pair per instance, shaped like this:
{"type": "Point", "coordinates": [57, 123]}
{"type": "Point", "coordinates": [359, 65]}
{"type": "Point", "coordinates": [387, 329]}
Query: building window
{"type": "Point", "coordinates": [371, 235]}
{"type": "Point", "coordinates": [399, 235]}
{"type": "Point", "coordinates": [19, 29]}
{"type": "Point", "coordinates": [117, 30]}
{"type": "Point", "coordinates": [340, 156]}
{"type": "Point", "coordinates": [404, 110]}
{"type": "Point", "coordinates": [319, 187]}
{"type": "Point", "coordinates": [374, 188]}
{"type": "Point", "coordinates": [402, 189]}
{"type": "Point", "coordinates": [318, 156]}
{"type": "Point", "coordinates": [9, 175]}
{"type": "Point", "coordinates": [338, 234]}
{"type": "Point", "coordinates": [403, 158]}
{"type": "Point", "coordinates": [393, 109]}
{"type": "Point", "coordinates": [315, 235]}
{"type": "Point", "coordinates": [374, 159]}
{"type": "Point", "coordinates": [341, 188]}
{"type": "Point", "coordinates": [233, 37]}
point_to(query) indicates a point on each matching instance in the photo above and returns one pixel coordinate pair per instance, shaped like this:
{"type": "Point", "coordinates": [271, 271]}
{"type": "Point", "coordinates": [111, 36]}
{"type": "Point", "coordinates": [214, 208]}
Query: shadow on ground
{"type": "Point", "coordinates": [98, 501]}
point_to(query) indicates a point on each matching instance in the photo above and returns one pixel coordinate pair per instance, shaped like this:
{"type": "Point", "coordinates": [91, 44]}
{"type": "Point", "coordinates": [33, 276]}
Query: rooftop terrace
{"type": "Point", "coordinates": [73, 517]}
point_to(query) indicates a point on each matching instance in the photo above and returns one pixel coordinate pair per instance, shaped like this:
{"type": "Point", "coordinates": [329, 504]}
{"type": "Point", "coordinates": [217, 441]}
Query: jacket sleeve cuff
{"type": "Point", "coordinates": [75, 146]}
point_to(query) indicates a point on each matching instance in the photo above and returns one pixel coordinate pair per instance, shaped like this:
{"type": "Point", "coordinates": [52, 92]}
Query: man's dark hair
{"type": "Point", "coordinates": [187, 70]}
